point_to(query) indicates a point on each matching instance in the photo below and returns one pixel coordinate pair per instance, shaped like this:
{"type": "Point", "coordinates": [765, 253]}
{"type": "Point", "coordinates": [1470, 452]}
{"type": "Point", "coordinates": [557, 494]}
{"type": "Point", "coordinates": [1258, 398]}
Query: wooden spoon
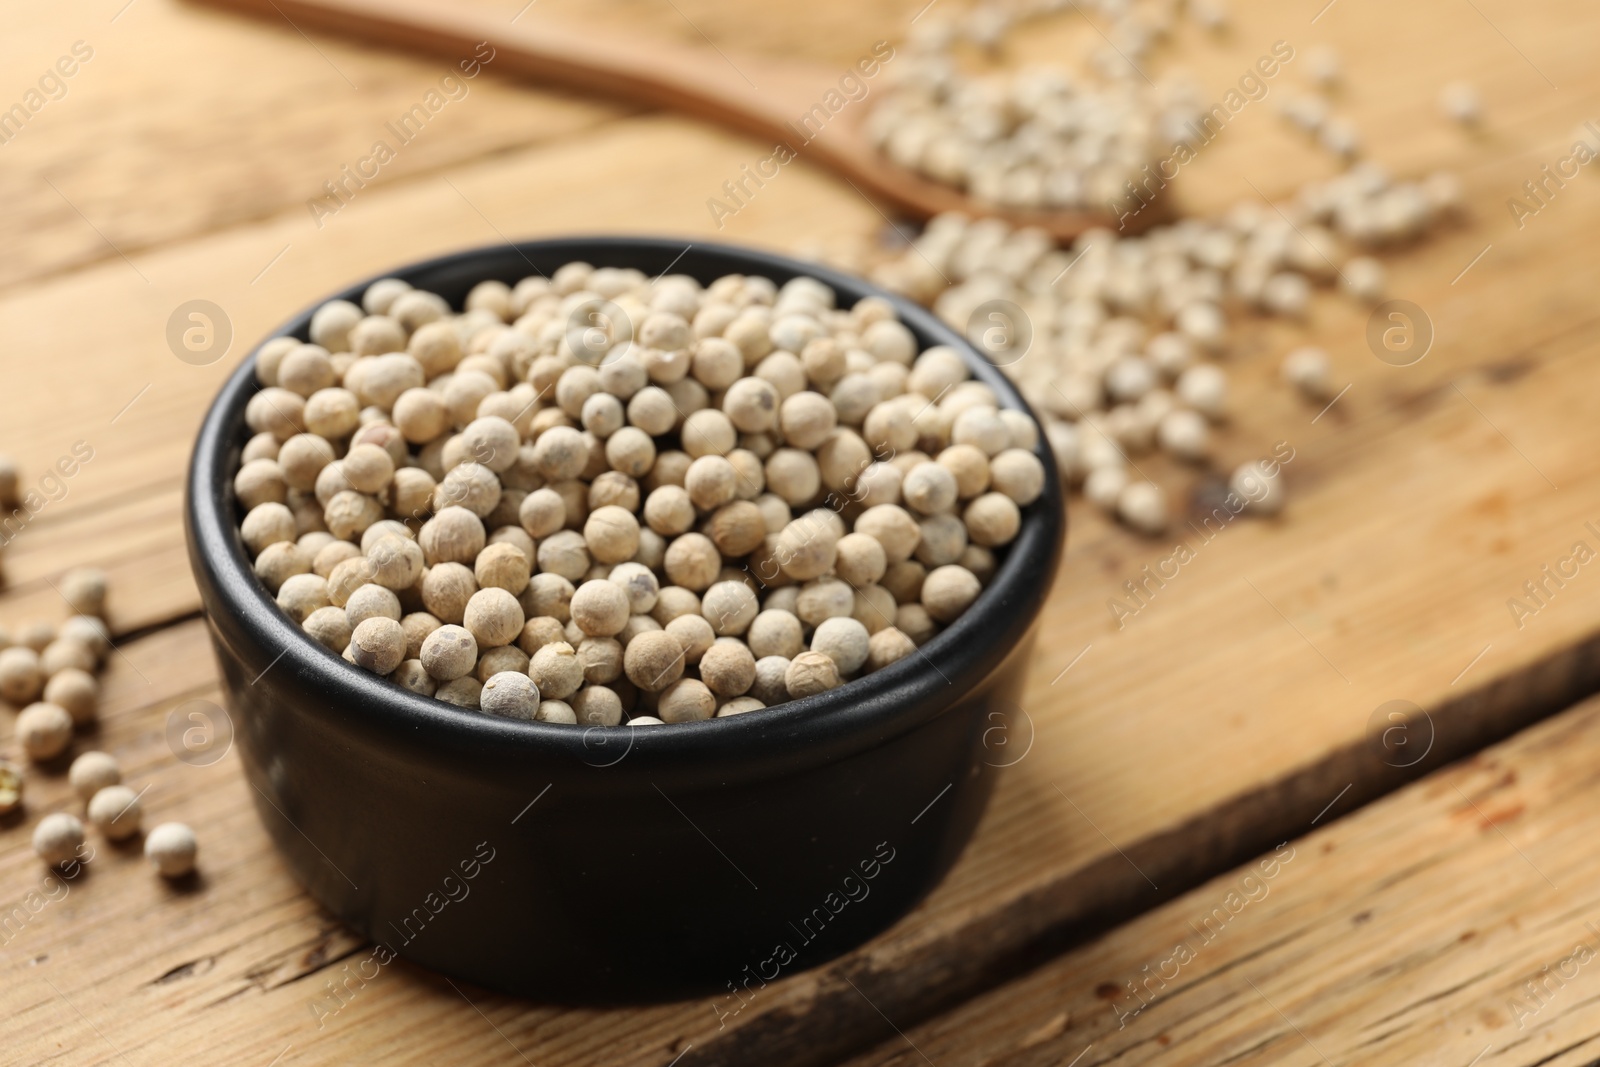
{"type": "Point", "coordinates": [776, 100]}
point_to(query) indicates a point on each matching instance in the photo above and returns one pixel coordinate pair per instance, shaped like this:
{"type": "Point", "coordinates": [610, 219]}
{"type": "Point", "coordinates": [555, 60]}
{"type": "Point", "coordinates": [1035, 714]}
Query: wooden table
{"type": "Point", "coordinates": [1166, 760]}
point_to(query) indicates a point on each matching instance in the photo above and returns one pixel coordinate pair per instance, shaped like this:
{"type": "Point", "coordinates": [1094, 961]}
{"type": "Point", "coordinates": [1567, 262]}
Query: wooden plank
{"type": "Point", "coordinates": [1453, 922]}
{"type": "Point", "coordinates": [1186, 740]}
{"type": "Point", "coordinates": [184, 121]}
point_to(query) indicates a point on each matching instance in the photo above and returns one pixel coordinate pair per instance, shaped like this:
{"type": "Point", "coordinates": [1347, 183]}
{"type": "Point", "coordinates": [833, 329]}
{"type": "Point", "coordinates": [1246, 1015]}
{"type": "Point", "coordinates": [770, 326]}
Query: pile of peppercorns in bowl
{"type": "Point", "coordinates": [600, 497]}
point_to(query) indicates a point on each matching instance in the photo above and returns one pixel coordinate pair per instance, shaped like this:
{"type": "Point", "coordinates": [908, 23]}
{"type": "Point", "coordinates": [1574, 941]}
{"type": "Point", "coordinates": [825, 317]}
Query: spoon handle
{"type": "Point", "coordinates": [776, 100]}
{"type": "Point", "coordinates": [758, 95]}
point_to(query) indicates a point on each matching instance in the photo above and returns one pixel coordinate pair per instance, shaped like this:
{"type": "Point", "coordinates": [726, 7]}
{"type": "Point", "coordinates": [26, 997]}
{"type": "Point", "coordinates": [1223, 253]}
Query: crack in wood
{"type": "Point", "coordinates": [193, 968]}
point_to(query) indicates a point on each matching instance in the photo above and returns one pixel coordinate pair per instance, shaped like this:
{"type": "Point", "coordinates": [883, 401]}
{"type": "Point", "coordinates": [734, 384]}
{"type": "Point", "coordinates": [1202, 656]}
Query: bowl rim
{"type": "Point", "coordinates": [865, 711]}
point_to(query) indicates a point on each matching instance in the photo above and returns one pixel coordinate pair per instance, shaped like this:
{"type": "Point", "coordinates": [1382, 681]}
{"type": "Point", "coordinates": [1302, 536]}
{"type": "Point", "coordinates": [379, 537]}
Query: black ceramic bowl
{"type": "Point", "coordinates": [620, 864]}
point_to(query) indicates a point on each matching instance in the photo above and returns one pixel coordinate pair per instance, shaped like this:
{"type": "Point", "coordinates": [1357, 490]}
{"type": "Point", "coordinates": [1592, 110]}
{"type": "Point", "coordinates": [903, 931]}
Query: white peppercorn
{"type": "Point", "coordinates": [276, 411]}
{"type": "Point", "coordinates": [57, 838]}
{"type": "Point", "coordinates": [332, 413]}
{"type": "Point", "coordinates": [495, 661]}
{"type": "Point", "coordinates": [600, 608]}
{"type": "Point", "coordinates": [266, 524]}
{"type": "Point", "coordinates": [904, 580]}
{"type": "Point", "coordinates": [413, 677]}
{"type": "Point", "coordinates": [1308, 370]}
{"type": "Point", "coordinates": [736, 528]}
{"type": "Point", "coordinates": [943, 539]}
{"type": "Point", "coordinates": [345, 578]}
{"type": "Point", "coordinates": [891, 527]}
{"type": "Point", "coordinates": [454, 535]}
{"type": "Point", "coordinates": [115, 811]}
{"type": "Point", "coordinates": [92, 772]}
{"type": "Point", "coordinates": [1018, 474]}
{"type": "Point", "coordinates": [824, 598]}
{"type": "Point", "coordinates": [1205, 388]}
{"type": "Point", "coordinates": [887, 646]}
{"type": "Point", "coordinates": [638, 583]}
{"type": "Point", "coordinates": [929, 488]}
{"type": "Point", "coordinates": [807, 547]}
{"type": "Point", "coordinates": [1184, 434]}
{"type": "Point", "coordinates": [596, 705]}
{"type": "Point", "coordinates": [306, 369]}
{"type": "Point", "coordinates": [1260, 483]}
{"type": "Point", "coordinates": [548, 595]}
{"type": "Point", "coordinates": [844, 640]}
{"type": "Point", "coordinates": [76, 690]}
{"type": "Point", "coordinates": [371, 602]}
{"type": "Point", "coordinates": [948, 591]}
{"type": "Point", "coordinates": [36, 635]}
{"type": "Point", "coordinates": [66, 654]}
{"type": "Point", "coordinates": [378, 644]}
{"type": "Point", "coordinates": [330, 627]}
{"type": "Point", "coordinates": [1363, 279]}
{"type": "Point", "coordinates": [349, 513]}
{"type": "Point", "coordinates": [601, 658]}
{"type": "Point", "coordinates": [914, 621]}
{"type": "Point", "coordinates": [738, 706]}
{"type": "Point", "coordinates": [44, 731]}
{"type": "Point", "coordinates": [471, 486]}
{"type": "Point", "coordinates": [1461, 103]}
{"type": "Point", "coordinates": [261, 481]}
{"type": "Point", "coordinates": [694, 634]}
{"type": "Point", "coordinates": [1104, 486]}
{"type": "Point", "coordinates": [729, 607]}
{"type": "Point", "coordinates": [993, 520]}
{"type": "Point", "coordinates": [462, 692]}
{"type": "Point", "coordinates": [810, 673]}
{"type": "Point", "coordinates": [556, 670]}
{"type": "Point", "coordinates": [502, 566]}
{"type": "Point", "coordinates": [396, 562]}
{"type": "Point", "coordinates": [873, 606]}
{"type": "Point", "coordinates": [171, 849]}
{"type": "Point", "coordinates": [301, 594]}
{"type": "Point", "coordinates": [751, 405]}
{"type": "Point", "coordinates": [653, 660]}
{"type": "Point", "coordinates": [686, 700]}
{"type": "Point", "coordinates": [1143, 506]}
{"type": "Point", "coordinates": [513, 695]}
{"type": "Point", "coordinates": [449, 652]}
{"type": "Point", "coordinates": [806, 419]}
{"type": "Point", "coordinates": [775, 632]}
{"type": "Point", "coordinates": [692, 561]}
{"type": "Point", "coordinates": [417, 625]}
{"type": "Point", "coordinates": [556, 711]}
{"type": "Point", "coordinates": [611, 534]}
{"type": "Point", "coordinates": [560, 453]}
{"type": "Point", "coordinates": [770, 686]}
{"type": "Point", "coordinates": [493, 616]}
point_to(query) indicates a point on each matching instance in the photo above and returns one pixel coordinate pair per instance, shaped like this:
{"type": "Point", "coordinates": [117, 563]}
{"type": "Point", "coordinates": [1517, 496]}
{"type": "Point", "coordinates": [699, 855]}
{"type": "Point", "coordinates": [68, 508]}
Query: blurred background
{"type": "Point", "coordinates": [1249, 697]}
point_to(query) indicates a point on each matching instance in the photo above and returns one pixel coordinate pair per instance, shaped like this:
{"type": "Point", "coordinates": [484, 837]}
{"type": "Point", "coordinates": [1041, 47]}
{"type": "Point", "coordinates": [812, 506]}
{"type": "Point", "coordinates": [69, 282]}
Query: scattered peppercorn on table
{"type": "Point", "coordinates": [1206, 707]}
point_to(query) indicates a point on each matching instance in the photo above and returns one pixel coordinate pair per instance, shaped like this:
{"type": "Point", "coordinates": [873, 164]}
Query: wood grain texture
{"type": "Point", "coordinates": [1454, 922]}
{"type": "Point", "coordinates": [185, 121]}
{"type": "Point", "coordinates": [1221, 719]}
